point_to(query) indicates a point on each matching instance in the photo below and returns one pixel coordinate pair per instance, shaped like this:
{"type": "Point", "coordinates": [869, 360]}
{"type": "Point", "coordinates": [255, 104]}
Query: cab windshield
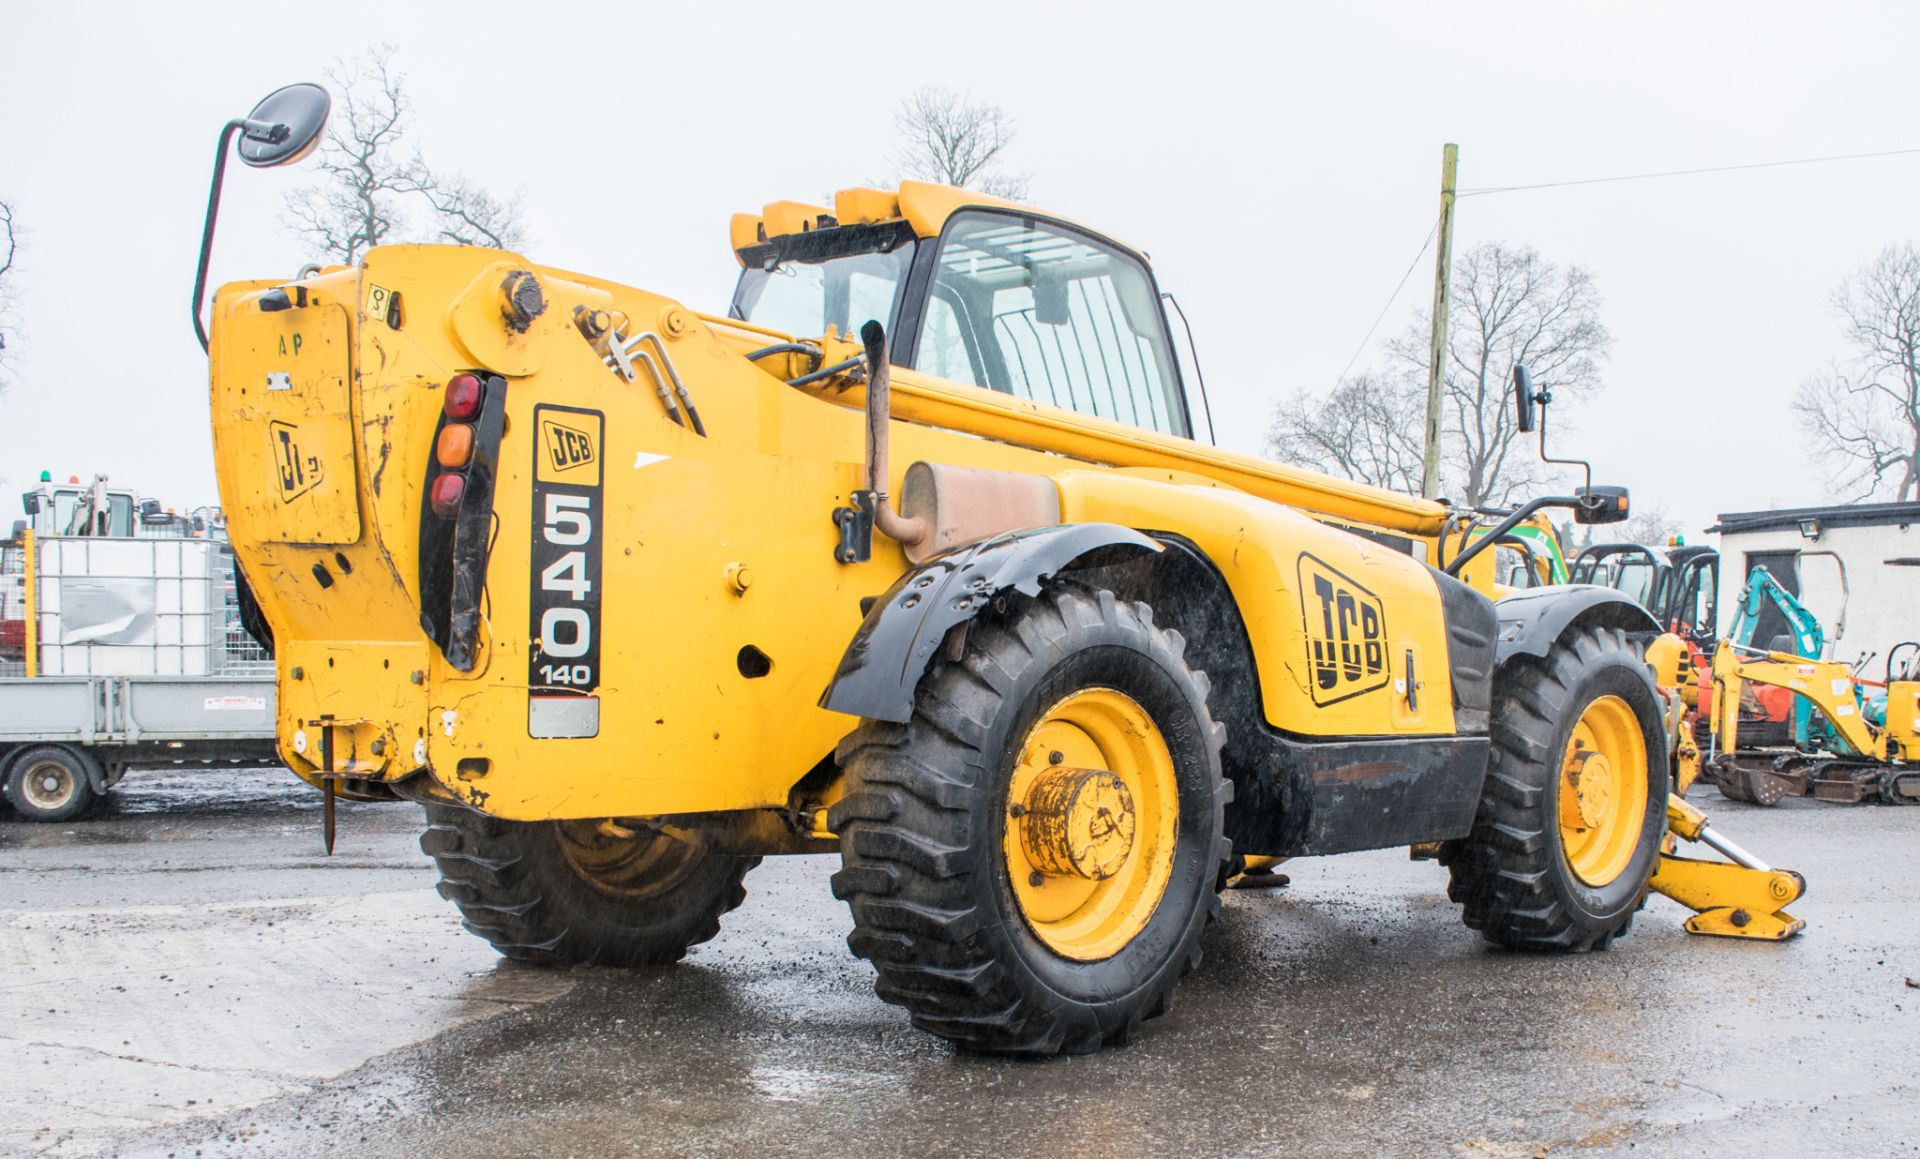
{"type": "Point", "coordinates": [841, 278]}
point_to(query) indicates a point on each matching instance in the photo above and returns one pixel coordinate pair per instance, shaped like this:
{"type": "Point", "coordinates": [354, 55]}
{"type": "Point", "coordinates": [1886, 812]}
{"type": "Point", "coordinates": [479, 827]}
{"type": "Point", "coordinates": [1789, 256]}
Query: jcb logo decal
{"type": "Point", "coordinates": [566, 447]}
{"type": "Point", "coordinates": [1346, 633]}
{"type": "Point", "coordinates": [299, 472]}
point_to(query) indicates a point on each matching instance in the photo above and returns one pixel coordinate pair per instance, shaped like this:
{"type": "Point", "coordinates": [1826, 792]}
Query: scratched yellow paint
{"type": "Point", "coordinates": [682, 728]}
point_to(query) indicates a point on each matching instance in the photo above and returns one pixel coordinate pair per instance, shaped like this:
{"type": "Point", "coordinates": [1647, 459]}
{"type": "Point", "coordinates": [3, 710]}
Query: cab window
{"type": "Point", "coordinates": [1034, 309]}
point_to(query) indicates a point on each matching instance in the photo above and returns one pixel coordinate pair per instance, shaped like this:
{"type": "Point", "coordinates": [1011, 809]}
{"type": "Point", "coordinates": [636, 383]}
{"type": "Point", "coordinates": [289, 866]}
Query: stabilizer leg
{"type": "Point", "coordinates": [1741, 898]}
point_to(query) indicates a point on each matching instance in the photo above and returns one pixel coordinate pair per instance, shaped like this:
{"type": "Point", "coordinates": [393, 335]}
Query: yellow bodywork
{"type": "Point", "coordinates": [323, 419]}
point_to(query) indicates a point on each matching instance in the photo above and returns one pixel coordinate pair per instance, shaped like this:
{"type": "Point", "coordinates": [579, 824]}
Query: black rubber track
{"type": "Point", "coordinates": [516, 888]}
{"type": "Point", "coordinates": [922, 822]}
{"type": "Point", "coordinates": [1510, 874]}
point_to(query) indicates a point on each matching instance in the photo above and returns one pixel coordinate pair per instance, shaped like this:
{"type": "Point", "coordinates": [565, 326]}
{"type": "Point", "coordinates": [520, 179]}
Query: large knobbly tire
{"type": "Point", "coordinates": [1515, 876]}
{"type": "Point", "coordinates": [51, 783]}
{"type": "Point", "coordinates": [569, 893]}
{"type": "Point", "coordinates": [928, 861]}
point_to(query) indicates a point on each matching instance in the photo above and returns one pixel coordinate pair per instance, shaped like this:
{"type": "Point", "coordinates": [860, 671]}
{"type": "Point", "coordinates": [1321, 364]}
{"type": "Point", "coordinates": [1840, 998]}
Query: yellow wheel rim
{"type": "Point", "coordinates": [626, 862]}
{"type": "Point", "coordinates": [1603, 791]}
{"type": "Point", "coordinates": [1092, 816]}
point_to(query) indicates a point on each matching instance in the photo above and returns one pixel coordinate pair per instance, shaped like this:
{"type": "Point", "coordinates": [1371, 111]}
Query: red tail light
{"type": "Point", "coordinates": [463, 397]}
{"type": "Point", "coordinates": [445, 495]}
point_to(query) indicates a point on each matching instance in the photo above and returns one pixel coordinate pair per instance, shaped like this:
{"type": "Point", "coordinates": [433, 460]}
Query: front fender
{"type": "Point", "coordinates": [904, 628]}
{"type": "Point", "coordinates": [1531, 621]}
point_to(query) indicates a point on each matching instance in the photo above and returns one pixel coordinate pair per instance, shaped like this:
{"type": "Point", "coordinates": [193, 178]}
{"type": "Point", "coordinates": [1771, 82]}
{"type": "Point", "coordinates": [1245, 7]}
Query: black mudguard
{"type": "Point", "coordinates": [1531, 621]}
{"type": "Point", "coordinates": [905, 627]}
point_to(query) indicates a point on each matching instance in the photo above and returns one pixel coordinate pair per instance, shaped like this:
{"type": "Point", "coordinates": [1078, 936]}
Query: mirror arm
{"type": "Point", "coordinates": [1501, 528]}
{"type": "Point", "coordinates": [213, 209]}
{"type": "Point", "coordinates": [1546, 458]}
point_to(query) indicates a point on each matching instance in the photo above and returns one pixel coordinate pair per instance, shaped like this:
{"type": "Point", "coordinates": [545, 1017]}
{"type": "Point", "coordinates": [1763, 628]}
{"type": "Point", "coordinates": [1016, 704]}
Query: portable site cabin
{"type": "Point", "coordinates": [1856, 567]}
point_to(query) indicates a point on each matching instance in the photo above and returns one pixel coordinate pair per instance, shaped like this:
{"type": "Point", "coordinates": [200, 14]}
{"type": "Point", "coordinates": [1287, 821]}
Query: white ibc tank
{"type": "Point", "coordinates": [129, 607]}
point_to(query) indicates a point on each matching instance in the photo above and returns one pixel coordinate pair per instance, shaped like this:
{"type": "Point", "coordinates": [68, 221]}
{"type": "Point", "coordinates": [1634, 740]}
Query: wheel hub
{"type": "Point", "coordinates": [1092, 814]}
{"type": "Point", "coordinates": [1589, 784]}
{"type": "Point", "coordinates": [49, 786]}
{"type": "Point", "coordinates": [1078, 822]}
{"type": "Point", "coordinates": [1603, 791]}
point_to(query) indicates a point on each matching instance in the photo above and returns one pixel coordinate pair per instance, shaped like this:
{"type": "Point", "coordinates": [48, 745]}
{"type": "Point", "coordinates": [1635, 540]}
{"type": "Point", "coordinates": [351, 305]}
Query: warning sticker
{"type": "Point", "coordinates": [235, 703]}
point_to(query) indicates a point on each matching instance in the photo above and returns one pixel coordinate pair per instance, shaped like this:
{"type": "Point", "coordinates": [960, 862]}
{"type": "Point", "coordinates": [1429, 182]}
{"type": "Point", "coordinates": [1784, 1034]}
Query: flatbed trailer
{"type": "Point", "coordinates": [118, 652]}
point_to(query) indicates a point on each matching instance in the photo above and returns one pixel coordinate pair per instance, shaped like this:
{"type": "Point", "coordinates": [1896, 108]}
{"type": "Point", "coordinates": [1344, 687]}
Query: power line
{"type": "Point", "coordinates": [1391, 299]}
{"type": "Point", "coordinates": [1687, 172]}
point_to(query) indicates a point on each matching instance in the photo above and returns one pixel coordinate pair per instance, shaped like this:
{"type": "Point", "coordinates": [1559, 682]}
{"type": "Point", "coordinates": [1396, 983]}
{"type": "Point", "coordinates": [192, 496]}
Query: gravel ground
{"type": "Point", "coordinates": [188, 974]}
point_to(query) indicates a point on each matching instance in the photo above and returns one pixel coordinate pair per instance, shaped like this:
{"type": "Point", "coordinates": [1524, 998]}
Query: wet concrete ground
{"type": "Point", "coordinates": [186, 974]}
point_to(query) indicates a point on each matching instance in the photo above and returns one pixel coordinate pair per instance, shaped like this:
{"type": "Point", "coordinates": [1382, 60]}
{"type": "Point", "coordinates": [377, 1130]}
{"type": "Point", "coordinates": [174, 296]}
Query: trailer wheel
{"type": "Point", "coordinates": [565, 893]}
{"type": "Point", "coordinates": [1570, 821]}
{"type": "Point", "coordinates": [1031, 860]}
{"type": "Point", "coordinates": [51, 783]}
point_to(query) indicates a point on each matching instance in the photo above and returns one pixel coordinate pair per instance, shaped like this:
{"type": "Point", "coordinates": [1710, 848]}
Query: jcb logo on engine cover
{"type": "Point", "coordinates": [564, 448]}
{"type": "Point", "coordinates": [298, 471]}
{"type": "Point", "coordinates": [1346, 633]}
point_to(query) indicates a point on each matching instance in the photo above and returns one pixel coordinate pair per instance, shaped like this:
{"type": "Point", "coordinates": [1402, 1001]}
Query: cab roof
{"type": "Point", "coordinates": [921, 206]}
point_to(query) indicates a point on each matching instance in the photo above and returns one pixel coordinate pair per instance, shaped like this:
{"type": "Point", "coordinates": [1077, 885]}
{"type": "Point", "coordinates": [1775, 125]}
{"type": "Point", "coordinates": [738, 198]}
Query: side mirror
{"type": "Point", "coordinates": [1601, 504]}
{"type": "Point", "coordinates": [285, 126]}
{"type": "Point", "coordinates": [282, 129]}
{"type": "Point", "coordinates": [1523, 398]}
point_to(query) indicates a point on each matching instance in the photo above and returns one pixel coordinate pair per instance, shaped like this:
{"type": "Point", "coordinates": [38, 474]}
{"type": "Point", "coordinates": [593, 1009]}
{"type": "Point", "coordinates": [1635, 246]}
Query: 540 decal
{"type": "Point", "coordinates": [564, 604]}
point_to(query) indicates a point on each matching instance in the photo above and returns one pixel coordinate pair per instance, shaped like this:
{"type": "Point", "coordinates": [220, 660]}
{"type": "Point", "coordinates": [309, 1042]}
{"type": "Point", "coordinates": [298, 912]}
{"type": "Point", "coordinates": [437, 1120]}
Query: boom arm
{"type": "Point", "coordinates": [1822, 684]}
{"type": "Point", "coordinates": [1761, 589]}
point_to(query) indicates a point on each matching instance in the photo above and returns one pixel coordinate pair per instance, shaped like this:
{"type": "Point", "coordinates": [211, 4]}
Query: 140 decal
{"type": "Point", "coordinates": [564, 600]}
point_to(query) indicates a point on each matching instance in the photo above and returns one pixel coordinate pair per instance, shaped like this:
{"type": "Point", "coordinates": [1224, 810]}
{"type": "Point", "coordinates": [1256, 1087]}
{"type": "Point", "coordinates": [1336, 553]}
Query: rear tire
{"type": "Point", "coordinates": [566, 893]}
{"type": "Point", "coordinates": [966, 930]}
{"type": "Point", "coordinates": [51, 783]}
{"type": "Point", "coordinates": [1545, 867]}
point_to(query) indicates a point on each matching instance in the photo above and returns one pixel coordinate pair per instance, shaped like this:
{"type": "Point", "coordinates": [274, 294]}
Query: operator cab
{"type": "Point", "coordinates": [974, 290]}
{"type": "Point", "coordinates": [1678, 585]}
{"type": "Point", "coordinates": [75, 509]}
{"type": "Point", "coordinates": [1638, 572]}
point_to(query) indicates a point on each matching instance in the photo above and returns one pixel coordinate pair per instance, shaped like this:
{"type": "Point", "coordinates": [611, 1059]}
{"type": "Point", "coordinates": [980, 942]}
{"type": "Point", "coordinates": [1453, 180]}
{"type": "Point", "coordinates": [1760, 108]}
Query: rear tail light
{"type": "Point", "coordinates": [463, 397]}
{"type": "Point", "coordinates": [455, 528]}
{"type": "Point", "coordinates": [445, 495]}
{"type": "Point", "coordinates": [454, 448]}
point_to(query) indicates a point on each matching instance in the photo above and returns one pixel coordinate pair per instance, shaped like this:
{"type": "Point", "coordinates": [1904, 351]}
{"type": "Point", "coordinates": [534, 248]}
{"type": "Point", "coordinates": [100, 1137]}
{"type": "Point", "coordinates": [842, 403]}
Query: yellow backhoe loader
{"type": "Point", "coordinates": [918, 553]}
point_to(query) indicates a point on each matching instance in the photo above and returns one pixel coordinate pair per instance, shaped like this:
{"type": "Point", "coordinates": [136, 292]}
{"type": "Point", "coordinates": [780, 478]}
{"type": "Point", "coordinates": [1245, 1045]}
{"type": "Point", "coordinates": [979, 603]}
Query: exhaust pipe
{"type": "Point", "coordinates": [871, 508]}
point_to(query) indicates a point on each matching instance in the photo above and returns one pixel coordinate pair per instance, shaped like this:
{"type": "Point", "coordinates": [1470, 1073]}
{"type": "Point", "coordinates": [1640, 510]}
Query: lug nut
{"type": "Point", "coordinates": [1056, 757]}
{"type": "Point", "coordinates": [1036, 878]}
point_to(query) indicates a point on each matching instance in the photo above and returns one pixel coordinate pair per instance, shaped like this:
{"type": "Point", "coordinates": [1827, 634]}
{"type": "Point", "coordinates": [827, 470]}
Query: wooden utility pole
{"type": "Point", "coordinates": [1442, 297]}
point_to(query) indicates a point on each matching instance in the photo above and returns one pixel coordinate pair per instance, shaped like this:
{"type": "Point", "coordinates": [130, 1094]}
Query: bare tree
{"type": "Point", "coordinates": [1650, 527]}
{"type": "Point", "coordinates": [465, 213]}
{"type": "Point", "coordinates": [9, 256]}
{"type": "Point", "coordinates": [370, 178]}
{"type": "Point", "coordinates": [1509, 305]}
{"type": "Point", "coordinates": [950, 138]}
{"type": "Point", "coordinates": [1865, 418]}
{"type": "Point", "coordinates": [357, 203]}
{"type": "Point", "coordinates": [1368, 429]}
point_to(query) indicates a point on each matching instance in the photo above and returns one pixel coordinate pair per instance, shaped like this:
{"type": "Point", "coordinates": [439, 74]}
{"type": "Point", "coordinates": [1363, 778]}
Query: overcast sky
{"type": "Point", "coordinates": [1279, 163]}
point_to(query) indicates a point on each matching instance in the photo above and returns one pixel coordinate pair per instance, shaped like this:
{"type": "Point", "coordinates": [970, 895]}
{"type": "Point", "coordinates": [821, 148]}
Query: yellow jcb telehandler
{"type": "Point", "coordinates": [621, 593]}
